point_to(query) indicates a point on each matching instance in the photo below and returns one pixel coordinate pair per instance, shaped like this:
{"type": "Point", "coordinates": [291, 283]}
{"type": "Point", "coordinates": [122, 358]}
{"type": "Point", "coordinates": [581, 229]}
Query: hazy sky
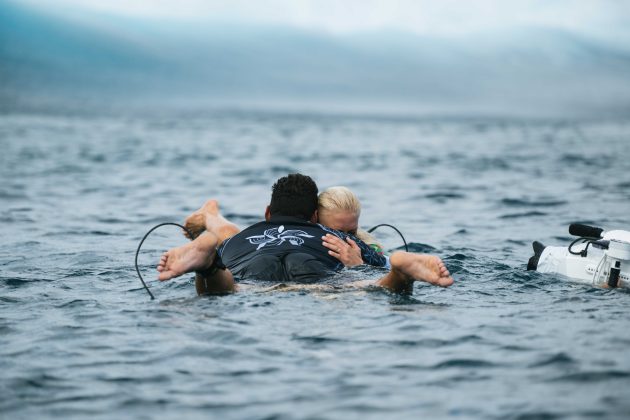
{"type": "Point", "coordinates": [604, 18]}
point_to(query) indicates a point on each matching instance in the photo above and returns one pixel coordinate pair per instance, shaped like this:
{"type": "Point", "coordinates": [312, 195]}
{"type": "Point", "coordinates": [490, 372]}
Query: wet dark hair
{"type": "Point", "coordinates": [294, 195]}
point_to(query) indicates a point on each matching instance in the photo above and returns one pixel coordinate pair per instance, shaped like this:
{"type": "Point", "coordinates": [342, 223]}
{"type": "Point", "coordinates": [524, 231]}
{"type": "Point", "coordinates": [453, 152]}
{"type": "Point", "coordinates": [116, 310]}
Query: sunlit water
{"type": "Point", "coordinates": [80, 338]}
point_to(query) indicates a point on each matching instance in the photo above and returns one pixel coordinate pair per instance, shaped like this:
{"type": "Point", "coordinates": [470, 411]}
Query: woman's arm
{"type": "Point", "coordinates": [352, 251]}
{"type": "Point", "coordinates": [348, 252]}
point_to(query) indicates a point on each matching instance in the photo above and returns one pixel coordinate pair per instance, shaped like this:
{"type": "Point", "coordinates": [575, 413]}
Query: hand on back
{"type": "Point", "coordinates": [348, 252]}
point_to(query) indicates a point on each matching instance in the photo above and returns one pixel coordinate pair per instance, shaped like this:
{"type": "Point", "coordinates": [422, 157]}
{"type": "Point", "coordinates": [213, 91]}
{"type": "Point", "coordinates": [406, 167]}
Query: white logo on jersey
{"type": "Point", "coordinates": [278, 236]}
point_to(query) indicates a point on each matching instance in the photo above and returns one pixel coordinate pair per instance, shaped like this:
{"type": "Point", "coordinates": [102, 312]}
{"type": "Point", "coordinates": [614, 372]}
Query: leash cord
{"type": "Point", "coordinates": [393, 227]}
{"type": "Point", "coordinates": [140, 245]}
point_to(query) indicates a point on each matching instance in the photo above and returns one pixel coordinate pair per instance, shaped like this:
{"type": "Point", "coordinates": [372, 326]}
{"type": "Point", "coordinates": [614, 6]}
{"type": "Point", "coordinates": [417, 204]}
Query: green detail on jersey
{"type": "Point", "coordinates": [377, 249]}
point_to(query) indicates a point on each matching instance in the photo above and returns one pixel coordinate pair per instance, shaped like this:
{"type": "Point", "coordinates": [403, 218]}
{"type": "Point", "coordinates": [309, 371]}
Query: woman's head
{"type": "Point", "coordinates": [339, 208]}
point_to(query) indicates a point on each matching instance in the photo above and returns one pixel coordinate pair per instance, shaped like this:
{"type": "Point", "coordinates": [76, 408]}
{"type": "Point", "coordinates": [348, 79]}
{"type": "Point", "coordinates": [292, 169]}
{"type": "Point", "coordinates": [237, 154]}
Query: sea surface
{"type": "Point", "coordinates": [80, 337]}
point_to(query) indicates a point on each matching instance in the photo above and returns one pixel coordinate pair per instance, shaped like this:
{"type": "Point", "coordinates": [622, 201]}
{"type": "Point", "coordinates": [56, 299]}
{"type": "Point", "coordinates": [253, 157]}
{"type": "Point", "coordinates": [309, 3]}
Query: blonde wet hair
{"type": "Point", "coordinates": [339, 198]}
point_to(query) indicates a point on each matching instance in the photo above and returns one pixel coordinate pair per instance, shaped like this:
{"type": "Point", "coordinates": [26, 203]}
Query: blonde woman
{"type": "Point", "coordinates": [339, 208]}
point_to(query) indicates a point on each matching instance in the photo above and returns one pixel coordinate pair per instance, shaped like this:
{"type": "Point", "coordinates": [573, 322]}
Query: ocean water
{"type": "Point", "coordinates": [80, 338]}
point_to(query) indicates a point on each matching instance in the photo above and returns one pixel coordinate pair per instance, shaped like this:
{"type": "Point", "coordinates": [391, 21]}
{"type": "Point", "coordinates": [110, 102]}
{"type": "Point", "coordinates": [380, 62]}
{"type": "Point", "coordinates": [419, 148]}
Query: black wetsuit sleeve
{"type": "Point", "coordinates": [369, 255]}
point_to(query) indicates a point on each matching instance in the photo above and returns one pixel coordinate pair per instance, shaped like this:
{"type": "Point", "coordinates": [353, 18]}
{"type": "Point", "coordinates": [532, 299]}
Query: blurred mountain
{"type": "Point", "coordinates": [50, 58]}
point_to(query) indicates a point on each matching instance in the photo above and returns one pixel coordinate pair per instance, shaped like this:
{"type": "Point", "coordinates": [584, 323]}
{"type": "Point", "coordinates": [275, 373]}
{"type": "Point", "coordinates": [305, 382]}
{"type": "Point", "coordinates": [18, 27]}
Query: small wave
{"type": "Point", "coordinates": [137, 380]}
{"type": "Point", "coordinates": [460, 232]}
{"type": "Point", "coordinates": [101, 233]}
{"type": "Point", "coordinates": [135, 402]}
{"type": "Point", "coordinates": [78, 302]}
{"type": "Point", "coordinates": [515, 202]}
{"type": "Point", "coordinates": [15, 282]}
{"type": "Point", "coordinates": [514, 347]}
{"type": "Point", "coordinates": [471, 338]}
{"type": "Point", "coordinates": [485, 164]}
{"type": "Point", "coordinates": [556, 359]}
{"type": "Point", "coordinates": [571, 299]}
{"type": "Point", "coordinates": [82, 272]}
{"type": "Point", "coordinates": [520, 215]}
{"type": "Point", "coordinates": [464, 363]}
{"type": "Point", "coordinates": [538, 415]}
{"type": "Point", "coordinates": [12, 196]}
{"type": "Point", "coordinates": [527, 279]}
{"type": "Point", "coordinates": [16, 219]}
{"type": "Point", "coordinates": [404, 300]}
{"type": "Point", "coordinates": [65, 170]}
{"type": "Point", "coordinates": [193, 157]}
{"type": "Point", "coordinates": [441, 196]}
{"type": "Point", "coordinates": [456, 257]}
{"type": "Point", "coordinates": [317, 339]}
{"type": "Point", "coordinates": [423, 343]}
{"type": "Point", "coordinates": [41, 381]}
{"type": "Point", "coordinates": [262, 371]}
{"type": "Point", "coordinates": [458, 379]}
{"type": "Point", "coordinates": [593, 376]}
{"type": "Point", "coordinates": [419, 247]}
{"type": "Point", "coordinates": [572, 158]}
{"type": "Point", "coordinates": [5, 330]}
{"type": "Point", "coordinates": [111, 220]}
{"type": "Point", "coordinates": [95, 158]}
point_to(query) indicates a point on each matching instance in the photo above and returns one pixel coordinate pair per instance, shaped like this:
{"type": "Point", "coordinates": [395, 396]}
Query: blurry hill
{"type": "Point", "coordinates": [50, 60]}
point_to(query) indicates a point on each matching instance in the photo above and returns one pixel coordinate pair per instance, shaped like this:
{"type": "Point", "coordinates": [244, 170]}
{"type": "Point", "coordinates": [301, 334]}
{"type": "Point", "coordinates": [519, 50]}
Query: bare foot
{"type": "Point", "coordinates": [196, 222]}
{"type": "Point", "coordinates": [210, 207]}
{"type": "Point", "coordinates": [428, 268]}
{"type": "Point", "coordinates": [216, 223]}
{"type": "Point", "coordinates": [209, 218]}
{"type": "Point", "coordinates": [196, 255]}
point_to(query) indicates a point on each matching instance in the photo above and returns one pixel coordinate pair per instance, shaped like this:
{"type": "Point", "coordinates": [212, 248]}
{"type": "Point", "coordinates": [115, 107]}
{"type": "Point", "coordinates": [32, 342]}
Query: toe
{"type": "Point", "coordinates": [165, 275]}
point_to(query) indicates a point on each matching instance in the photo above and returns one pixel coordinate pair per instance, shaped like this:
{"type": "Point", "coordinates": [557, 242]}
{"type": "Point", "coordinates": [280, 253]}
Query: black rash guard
{"type": "Point", "coordinates": [287, 249]}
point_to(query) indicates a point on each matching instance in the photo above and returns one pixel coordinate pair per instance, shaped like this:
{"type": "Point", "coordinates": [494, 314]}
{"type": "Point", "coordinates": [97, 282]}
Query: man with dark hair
{"type": "Point", "coordinates": [287, 246]}
{"type": "Point", "coordinates": [294, 195]}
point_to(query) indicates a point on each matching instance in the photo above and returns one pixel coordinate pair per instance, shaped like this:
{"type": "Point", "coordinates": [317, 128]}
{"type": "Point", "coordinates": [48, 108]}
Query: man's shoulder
{"type": "Point", "coordinates": [284, 227]}
{"type": "Point", "coordinates": [278, 235]}
{"type": "Point", "coordinates": [287, 222]}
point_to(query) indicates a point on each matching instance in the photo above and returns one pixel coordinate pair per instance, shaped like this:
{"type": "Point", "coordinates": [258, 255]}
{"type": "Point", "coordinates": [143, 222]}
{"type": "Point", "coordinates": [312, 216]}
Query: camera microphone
{"type": "Point", "coordinates": [585, 231]}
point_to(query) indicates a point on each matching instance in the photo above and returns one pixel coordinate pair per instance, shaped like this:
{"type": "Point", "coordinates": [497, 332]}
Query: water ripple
{"type": "Point", "coordinates": [522, 215]}
{"type": "Point", "coordinates": [465, 363]}
{"type": "Point", "coordinates": [592, 376]}
{"type": "Point", "coordinates": [514, 202]}
{"type": "Point", "coordinates": [556, 359]}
